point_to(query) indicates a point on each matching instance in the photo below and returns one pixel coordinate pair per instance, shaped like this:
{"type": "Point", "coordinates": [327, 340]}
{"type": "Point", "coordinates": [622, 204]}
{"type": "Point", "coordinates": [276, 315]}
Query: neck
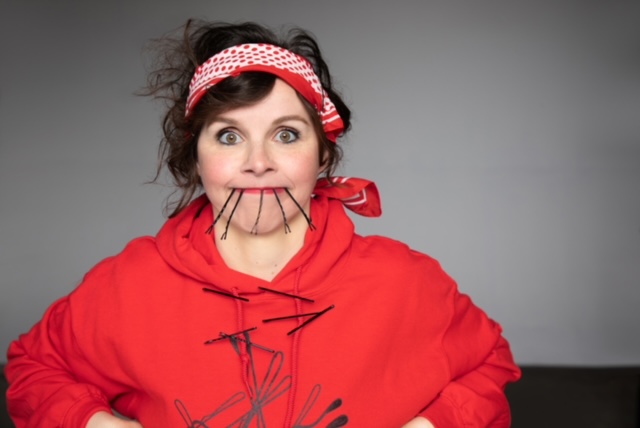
{"type": "Point", "coordinates": [264, 255]}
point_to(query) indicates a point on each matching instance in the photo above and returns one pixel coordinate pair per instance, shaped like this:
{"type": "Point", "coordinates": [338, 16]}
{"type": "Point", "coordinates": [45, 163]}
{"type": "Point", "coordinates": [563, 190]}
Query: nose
{"type": "Point", "coordinates": [258, 159]}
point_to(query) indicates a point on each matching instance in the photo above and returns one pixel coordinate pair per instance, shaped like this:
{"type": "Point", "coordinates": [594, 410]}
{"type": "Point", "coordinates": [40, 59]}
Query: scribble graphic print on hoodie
{"type": "Point", "coordinates": [271, 387]}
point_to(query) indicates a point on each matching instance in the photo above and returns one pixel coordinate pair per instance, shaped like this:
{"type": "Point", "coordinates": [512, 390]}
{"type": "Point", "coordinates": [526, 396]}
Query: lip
{"type": "Point", "coordinates": [258, 190]}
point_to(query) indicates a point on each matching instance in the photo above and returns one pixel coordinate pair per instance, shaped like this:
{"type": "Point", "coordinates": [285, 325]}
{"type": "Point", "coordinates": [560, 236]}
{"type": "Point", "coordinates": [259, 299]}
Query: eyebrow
{"type": "Point", "coordinates": [291, 117]}
{"type": "Point", "coordinates": [278, 121]}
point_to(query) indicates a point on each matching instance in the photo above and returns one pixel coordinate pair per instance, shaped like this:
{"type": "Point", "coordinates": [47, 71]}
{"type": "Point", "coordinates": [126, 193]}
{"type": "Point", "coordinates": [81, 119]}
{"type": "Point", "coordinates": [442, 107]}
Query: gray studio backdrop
{"type": "Point", "coordinates": [504, 136]}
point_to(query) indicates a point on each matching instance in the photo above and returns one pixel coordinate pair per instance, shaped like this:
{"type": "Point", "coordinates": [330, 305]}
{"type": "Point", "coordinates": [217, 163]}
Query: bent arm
{"type": "Point", "coordinates": [44, 390]}
{"type": "Point", "coordinates": [476, 398]}
{"type": "Point", "coordinates": [480, 366]}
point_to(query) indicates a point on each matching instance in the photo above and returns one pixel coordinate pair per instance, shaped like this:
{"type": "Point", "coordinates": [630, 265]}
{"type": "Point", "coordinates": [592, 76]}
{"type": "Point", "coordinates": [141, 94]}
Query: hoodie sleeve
{"type": "Point", "coordinates": [42, 371]}
{"type": "Point", "coordinates": [72, 363]}
{"type": "Point", "coordinates": [480, 363]}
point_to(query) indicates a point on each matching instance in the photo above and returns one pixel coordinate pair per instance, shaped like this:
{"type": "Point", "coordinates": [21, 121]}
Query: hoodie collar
{"type": "Point", "coordinates": [184, 245]}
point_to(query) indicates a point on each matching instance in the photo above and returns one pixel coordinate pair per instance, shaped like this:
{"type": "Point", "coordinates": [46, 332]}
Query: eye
{"type": "Point", "coordinates": [228, 138]}
{"type": "Point", "coordinates": [287, 136]}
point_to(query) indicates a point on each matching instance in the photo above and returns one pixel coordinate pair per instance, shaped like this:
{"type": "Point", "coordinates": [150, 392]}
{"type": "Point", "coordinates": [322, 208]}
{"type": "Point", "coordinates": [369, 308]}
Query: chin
{"type": "Point", "coordinates": [271, 224]}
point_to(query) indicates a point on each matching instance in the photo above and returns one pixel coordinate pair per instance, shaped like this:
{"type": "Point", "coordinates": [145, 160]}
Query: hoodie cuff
{"type": "Point", "coordinates": [81, 411]}
{"type": "Point", "coordinates": [443, 413]}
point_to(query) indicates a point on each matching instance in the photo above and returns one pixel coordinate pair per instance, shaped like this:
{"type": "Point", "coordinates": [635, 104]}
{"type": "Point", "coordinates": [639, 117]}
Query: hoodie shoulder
{"type": "Point", "coordinates": [121, 284]}
{"type": "Point", "coordinates": [386, 255]}
{"type": "Point", "coordinates": [142, 246]}
{"type": "Point", "coordinates": [389, 249]}
{"type": "Point", "coordinates": [138, 252]}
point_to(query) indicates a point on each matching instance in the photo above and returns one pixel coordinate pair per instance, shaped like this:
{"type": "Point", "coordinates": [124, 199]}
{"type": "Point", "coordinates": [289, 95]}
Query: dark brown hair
{"type": "Point", "coordinates": [176, 59]}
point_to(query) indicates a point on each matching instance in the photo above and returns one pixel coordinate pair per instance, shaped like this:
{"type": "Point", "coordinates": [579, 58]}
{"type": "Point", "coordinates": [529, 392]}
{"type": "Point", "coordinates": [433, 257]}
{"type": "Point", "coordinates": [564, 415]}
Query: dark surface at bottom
{"type": "Point", "coordinates": [550, 397]}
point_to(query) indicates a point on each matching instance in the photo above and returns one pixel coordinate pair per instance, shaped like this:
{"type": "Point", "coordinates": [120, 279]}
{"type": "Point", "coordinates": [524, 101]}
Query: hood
{"type": "Point", "coordinates": [184, 244]}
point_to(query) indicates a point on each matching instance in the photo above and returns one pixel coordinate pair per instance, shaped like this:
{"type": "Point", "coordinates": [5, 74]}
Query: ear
{"type": "Point", "coordinates": [197, 161]}
{"type": "Point", "coordinates": [324, 164]}
{"type": "Point", "coordinates": [194, 153]}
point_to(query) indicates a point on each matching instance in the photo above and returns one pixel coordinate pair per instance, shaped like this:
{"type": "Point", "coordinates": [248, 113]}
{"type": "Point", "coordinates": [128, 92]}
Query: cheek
{"type": "Point", "coordinates": [307, 169]}
{"type": "Point", "coordinates": [212, 172]}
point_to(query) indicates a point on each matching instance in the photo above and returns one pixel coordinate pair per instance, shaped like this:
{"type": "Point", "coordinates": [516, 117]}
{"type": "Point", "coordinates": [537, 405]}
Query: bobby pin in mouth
{"type": "Point", "coordinates": [221, 211]}
{"type": "Point", "coordinates": [226, 228]}
{"type": "Point", "coordinates": [306, 217]}
{"type": "Point", "coordinates": [287, 229]}
{"type": "Point", "coordinates": [254, 229]}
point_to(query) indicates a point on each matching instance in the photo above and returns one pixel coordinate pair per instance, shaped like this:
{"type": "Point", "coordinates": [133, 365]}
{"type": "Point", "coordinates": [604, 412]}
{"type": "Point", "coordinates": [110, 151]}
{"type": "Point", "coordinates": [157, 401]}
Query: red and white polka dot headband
{"type": "Point", "coordinates": [286, 65]}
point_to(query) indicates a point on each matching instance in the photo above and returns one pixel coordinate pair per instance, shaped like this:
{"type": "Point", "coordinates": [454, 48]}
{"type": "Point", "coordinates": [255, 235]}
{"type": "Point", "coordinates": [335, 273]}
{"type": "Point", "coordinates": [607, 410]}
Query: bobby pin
{"type": "Point", "coordinates": [254, 229]}
{"type": "Point", "coordinates": [226, 228]}
{"type": "Point", "coordinates": [311, 225]}
{"type": "Point", "coordinates": [226, 336]}
{"type": "Point", "coordinates": [287, 229]}
{"type": "Point", "coordinates": [201, 209]}
{"type": "Point", "coordinates": [316, 316]}
{"type": "Point", "coordinates": [210, 290]}
{"type": "Point", "coordinates": [288, 317]}
{"type": "Point", "coordinates": [221, 211]}
{"type": "Point", "coordinates": [286, 294]}
{"type": "Point", "coordinates": [248, 342]}
{"type": "Point", "coordinates": [313, 315]}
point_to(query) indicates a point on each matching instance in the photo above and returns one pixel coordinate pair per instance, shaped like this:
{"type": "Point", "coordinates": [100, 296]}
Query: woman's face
{"type": "Point", "coordinates": [262, 150]}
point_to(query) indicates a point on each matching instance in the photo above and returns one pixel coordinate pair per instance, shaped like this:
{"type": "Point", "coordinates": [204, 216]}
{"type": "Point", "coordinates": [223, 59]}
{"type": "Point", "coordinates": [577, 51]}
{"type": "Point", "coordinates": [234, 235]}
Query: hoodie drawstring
{"type": "Point", "coordinates": [243, 346]}
{"type": "Point", "coordinates": [295, 346]}
{"type": "Point", "coordinates": [244, 355]}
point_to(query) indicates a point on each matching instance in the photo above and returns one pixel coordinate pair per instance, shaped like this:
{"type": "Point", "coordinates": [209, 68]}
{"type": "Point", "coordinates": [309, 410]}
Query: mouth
{"type": "Point", "coordinates": [261, 190]}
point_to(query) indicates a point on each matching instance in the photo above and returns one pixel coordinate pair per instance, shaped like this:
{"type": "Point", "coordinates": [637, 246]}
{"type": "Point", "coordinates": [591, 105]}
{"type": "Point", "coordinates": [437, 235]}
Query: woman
{"type": "Point", "coordinates": [257, 304]}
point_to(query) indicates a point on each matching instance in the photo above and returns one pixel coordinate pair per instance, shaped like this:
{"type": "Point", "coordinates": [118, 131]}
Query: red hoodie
{"type": "Point", "coordinates": [166, 334]}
